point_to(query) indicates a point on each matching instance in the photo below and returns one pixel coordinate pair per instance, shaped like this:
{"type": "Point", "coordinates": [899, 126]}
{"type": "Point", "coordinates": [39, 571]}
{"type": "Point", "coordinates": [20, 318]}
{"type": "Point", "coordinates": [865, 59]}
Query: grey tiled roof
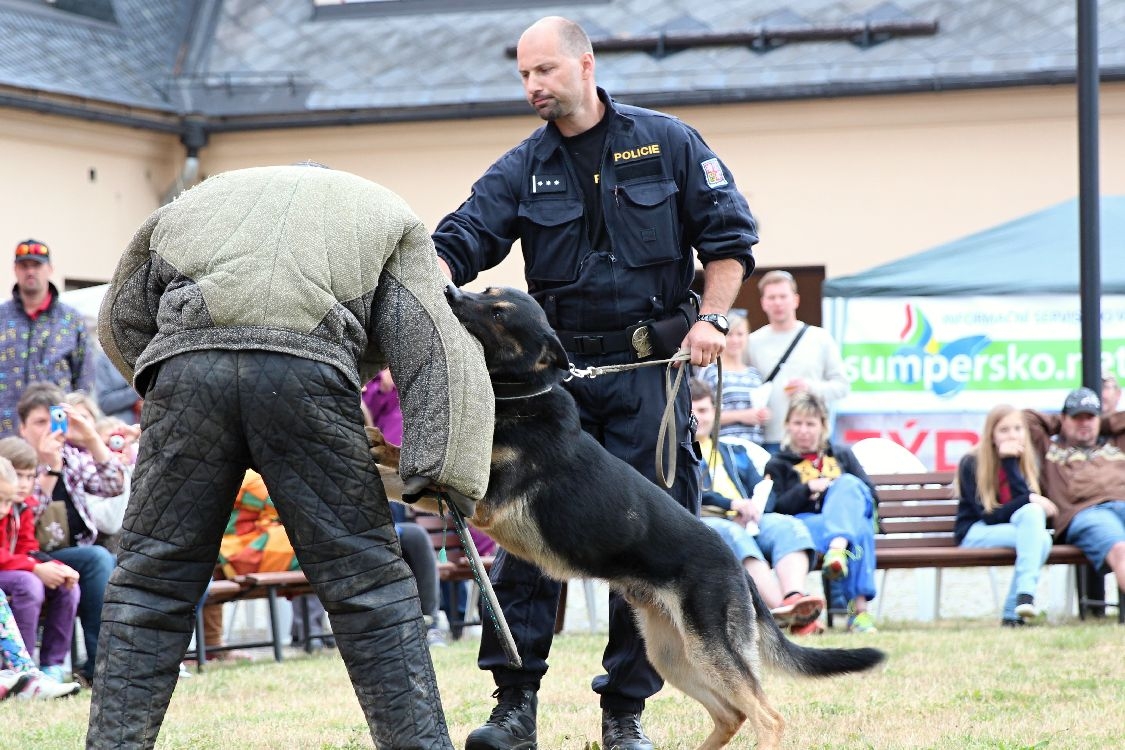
{"type": "Point", "coordinates": [272, 59]}
{"type": "Point", "coordinates": [49, 50]}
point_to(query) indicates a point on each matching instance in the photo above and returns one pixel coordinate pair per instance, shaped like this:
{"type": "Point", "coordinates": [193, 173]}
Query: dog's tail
{"type": "Point", "coordinates": [782, 653]}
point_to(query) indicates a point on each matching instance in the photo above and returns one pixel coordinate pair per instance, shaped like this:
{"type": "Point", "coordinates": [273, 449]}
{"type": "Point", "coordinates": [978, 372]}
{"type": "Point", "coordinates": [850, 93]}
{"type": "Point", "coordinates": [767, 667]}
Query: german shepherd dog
{"type": "Point", "coordinates": [558, 499]}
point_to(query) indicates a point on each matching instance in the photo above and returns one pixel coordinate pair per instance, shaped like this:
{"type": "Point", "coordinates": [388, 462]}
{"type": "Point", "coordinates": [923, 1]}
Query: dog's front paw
{"type": "Point", "coordinates": [384, 453]}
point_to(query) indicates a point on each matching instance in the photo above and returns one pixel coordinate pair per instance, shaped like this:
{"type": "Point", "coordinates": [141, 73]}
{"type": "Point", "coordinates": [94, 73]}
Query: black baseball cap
{"type": "Point", "coordinates": [1082, 401]}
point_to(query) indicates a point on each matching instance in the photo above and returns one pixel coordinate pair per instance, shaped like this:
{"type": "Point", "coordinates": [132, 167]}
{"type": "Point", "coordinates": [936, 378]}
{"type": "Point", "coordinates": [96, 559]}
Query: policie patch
{"type": "Point", "coordinates": [713, 173]}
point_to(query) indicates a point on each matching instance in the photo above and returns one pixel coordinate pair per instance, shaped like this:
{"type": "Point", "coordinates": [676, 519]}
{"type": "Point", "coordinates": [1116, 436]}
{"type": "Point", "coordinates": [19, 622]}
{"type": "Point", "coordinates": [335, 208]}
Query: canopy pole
{"type": "Point", "coordinates": [1089, 280]}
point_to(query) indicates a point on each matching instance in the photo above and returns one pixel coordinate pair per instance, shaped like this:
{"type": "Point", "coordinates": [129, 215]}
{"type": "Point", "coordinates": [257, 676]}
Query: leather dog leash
{"type": "Point", "coordinates": [664, 437]}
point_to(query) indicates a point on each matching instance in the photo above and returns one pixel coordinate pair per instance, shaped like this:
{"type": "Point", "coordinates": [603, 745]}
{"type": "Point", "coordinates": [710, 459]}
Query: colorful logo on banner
{"type": "Point", "coordinates": [933, 357]}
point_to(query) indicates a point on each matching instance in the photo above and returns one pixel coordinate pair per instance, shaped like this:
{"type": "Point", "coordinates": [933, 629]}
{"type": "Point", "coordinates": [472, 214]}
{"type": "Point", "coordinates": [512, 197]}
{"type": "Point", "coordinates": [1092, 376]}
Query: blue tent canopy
{"type": "Point", "coordinates": [1034, 254]}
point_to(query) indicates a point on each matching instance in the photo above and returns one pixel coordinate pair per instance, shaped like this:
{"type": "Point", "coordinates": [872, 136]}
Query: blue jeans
{"type": "Point", "coordinates": [847, 511]}
{"type": "Point", "coordinates": [779, 535]}
{"type": "Point", "coordinates": [1027, 534]}
{"type": "Point", "coordinates": [1095, 530]}
{"type": "Point", "coordinates": [94, 565]}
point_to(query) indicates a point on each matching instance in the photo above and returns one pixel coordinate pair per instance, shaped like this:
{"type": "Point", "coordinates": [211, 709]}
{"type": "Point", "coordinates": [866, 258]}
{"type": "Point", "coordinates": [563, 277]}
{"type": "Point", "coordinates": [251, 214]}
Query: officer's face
{"type": "Point", "coordinates": [552, 80]}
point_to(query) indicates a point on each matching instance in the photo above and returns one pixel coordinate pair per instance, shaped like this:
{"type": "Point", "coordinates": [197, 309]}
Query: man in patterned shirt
{"type": "Point", "coordinates": [41, 339]}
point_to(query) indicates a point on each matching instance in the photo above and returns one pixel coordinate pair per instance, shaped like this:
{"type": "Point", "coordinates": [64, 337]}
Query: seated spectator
{"type": "Point", "coordinates": [18, 674]}
{"type": "Point", "coordinates": [380, 400]}
{"type": "Point", "coordinates": [738, 417]}
{"type": "Point", "coordinates": [381, 408]}
{"type": "Point", "coordinates": [1111, 393]}
{"type": "Point", "coordinates": [1000, 506]}
{"type": "Point", "coordinates": [729, 480]}
{"type": "Point", "coordinates": [36, 585]}
{"type": "Point", "coordinates": [824, 485]}
{"type": "Point", "coordinates": [77, 464]}
{"type": "Point", "coordinates": [256, 542]}
{"type": "Point", "coordinates": [1082, 470]}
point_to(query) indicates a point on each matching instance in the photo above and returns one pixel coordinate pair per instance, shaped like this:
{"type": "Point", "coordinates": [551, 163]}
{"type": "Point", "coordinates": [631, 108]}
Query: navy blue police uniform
{"type": "Point", "coordinates": [660, 191]}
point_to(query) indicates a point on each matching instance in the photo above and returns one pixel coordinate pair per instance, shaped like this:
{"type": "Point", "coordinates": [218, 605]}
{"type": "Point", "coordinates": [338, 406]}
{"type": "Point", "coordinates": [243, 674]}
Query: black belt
{"type": "Point", "coordinates": [599, 342]}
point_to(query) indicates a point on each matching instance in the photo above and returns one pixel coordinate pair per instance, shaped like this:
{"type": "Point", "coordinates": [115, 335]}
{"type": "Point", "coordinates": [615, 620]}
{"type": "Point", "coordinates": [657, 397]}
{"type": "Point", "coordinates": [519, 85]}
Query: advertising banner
{"type": "Point", "coordinates": [925, 370]}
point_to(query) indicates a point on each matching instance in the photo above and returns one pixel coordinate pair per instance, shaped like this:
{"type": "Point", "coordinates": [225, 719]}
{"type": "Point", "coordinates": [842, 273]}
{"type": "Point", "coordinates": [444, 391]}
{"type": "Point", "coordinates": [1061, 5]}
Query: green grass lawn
{"type": "Point", "coordinates": [957, 685]}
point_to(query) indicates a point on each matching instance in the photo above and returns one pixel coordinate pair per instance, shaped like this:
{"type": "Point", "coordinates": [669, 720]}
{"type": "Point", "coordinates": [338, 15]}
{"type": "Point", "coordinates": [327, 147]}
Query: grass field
{"type": "Point", "coordinates": [957, 685]}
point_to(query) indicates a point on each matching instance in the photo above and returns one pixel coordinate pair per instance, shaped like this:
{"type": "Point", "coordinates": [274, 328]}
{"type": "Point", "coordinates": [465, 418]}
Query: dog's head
{"type": "Point", "coordinates": [519, 345]}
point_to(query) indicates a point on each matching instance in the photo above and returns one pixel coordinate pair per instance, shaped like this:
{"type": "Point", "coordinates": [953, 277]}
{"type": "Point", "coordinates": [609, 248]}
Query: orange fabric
{"type": "Point", "coordinates": [255, 541]}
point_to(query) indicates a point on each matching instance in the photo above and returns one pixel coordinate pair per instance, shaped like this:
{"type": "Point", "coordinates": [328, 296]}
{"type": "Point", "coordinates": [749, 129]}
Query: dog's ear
{"type": "Point", "coordinates": [553, 354]}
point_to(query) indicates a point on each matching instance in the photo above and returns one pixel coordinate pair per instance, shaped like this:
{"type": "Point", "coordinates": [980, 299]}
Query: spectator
{"type": "Point", "coordinates": [1111, 393]}
{"type": "Point", "coordinates": [18, 674]}
{"type": "Point", "coordinates": [279, 290]}
{"type": "Point", "coordinates": [824, 485]}
{"type": "Point", "coordinates": [41, 339]}
{"type": "Point", "coordinates": [106, 513]}
{"type": "Point", "coordinates": [756, 538]}
{"type": "Point", "coordinates": [37, 585]}
{"type": "Point", "coordinates": [607, 201]}
{"type": "Point", "coordinates": [1083, 472]}
{"type": "Point", "coordinates": [742, 386]}
{"type": "Point", "coordinates": [116, 397]}
{"type": "Point", "coordinates": [78, 465]}
{"type": "Point", "coordinates": [813, 364]}
{"type": "Point", "coordinates": [382, 409]}
{"type": "Point", "coordinates": [380, 397]}
{"type": "Point", "coordinates": [256, 542]}
{"type": "Point", "coordinates": [998, 483]}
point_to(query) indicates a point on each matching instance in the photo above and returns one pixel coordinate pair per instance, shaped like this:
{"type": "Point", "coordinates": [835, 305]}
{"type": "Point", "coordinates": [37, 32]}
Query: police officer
{"type": "Point", "coordinates": [607, 201]}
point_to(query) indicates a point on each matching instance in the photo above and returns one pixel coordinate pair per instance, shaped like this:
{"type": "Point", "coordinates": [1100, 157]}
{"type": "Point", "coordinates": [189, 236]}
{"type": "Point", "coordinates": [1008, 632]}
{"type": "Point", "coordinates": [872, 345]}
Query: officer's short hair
{"type": "Point", "coordinates": [574, 40]}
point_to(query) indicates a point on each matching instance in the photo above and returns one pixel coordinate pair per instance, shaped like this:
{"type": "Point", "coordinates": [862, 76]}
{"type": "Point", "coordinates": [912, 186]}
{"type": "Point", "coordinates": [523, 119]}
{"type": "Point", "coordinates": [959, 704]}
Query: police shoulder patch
{"type": "Point", "coordinates": [713, 173]}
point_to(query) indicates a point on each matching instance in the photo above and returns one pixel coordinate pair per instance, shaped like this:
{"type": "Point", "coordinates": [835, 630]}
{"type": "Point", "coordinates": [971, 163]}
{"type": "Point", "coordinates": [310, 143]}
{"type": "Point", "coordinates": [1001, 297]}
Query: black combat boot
{"type": "Point", "coordinates": [622, 731]}
{"type": "Point", "coordinates": [511, 726]}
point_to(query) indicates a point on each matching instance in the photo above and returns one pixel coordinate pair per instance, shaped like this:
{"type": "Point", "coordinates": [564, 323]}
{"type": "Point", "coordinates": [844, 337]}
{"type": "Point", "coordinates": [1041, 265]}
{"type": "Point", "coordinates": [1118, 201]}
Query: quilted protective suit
{"type": "Point", "coordinates": [248, 313]}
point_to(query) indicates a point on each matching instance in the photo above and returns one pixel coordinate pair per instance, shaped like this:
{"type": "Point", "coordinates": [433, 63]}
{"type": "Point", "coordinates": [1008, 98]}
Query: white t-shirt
{"type": "Point", "coordinates": [816, 358]}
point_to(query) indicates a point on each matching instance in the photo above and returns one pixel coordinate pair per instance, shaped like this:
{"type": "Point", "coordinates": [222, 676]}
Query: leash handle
{"type": "Point", "coordinates": [666, 438]}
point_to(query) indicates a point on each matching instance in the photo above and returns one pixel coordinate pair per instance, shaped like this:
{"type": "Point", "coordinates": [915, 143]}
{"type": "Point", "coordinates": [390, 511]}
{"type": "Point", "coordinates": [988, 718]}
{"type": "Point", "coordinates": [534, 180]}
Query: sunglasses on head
{"type": "Point", "coordinates": [31, 248]}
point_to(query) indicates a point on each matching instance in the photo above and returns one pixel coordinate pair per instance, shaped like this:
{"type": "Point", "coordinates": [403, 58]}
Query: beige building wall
{"type": "Point", "coordinates": [81, 187]}
{"type": "Point", "coordinates": [846, 183]}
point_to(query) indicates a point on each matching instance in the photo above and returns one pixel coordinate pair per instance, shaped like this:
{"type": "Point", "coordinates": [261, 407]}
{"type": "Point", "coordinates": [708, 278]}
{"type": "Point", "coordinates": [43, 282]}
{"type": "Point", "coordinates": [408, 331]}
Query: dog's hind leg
{"type": "Point", "coordinates": [767, 722]}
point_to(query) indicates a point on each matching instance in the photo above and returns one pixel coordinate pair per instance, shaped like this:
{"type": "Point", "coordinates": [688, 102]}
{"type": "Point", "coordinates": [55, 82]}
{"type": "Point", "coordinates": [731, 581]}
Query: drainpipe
{"type": "Point", "coordinates": [194, 137]}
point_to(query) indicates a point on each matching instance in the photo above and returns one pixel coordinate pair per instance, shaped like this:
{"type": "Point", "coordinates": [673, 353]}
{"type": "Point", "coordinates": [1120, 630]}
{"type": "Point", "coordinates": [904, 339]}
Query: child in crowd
{"type": "Point", "coordinates": [80, 469]}
{"type": "Point", "coordinates": [741, 383]}
{"type": "Point", "coordinates": [998, 483]}
{"type": "Point", "coordinates": [824, 485]}
{"type": "Point", "coordinates": [18, 675]}
{"type": "Point", "coordinates": [35, 584]}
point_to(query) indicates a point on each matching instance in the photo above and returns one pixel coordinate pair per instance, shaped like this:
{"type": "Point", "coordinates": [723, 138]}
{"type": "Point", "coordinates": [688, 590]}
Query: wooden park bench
{"type": "Point", "coordinates": [918, 512]}
{"type": "Point", "coordinates": [271, 586]}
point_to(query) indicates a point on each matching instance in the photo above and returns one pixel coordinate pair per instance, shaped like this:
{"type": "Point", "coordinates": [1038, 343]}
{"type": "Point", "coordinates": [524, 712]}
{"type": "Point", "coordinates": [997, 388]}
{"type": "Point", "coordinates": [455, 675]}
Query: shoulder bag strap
{"type": "Point", "coordinates": [792, 346]}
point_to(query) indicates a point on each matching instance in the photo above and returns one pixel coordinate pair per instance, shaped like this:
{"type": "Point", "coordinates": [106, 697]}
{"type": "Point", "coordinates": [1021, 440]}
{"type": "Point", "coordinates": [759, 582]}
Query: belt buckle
{"type": "Point", "coordinates": [642, 341]}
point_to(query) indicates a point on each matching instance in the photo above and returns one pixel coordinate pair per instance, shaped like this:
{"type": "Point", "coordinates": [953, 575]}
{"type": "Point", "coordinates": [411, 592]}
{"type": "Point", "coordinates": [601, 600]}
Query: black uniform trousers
{"type": "Point", "coordinates": [623, 412]}
{"type": "Point", "coordinates": [208, 416]}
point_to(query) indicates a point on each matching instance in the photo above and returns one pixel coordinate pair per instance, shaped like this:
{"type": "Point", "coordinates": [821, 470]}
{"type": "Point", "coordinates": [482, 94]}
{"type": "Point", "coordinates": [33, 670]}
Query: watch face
{"type": "Point", "coordinates": [719, 321]}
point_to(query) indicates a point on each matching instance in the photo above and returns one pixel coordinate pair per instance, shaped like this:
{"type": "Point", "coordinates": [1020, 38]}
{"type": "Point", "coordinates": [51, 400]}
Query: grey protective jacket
{"type": "Point", "coordinates": [319, 264]}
